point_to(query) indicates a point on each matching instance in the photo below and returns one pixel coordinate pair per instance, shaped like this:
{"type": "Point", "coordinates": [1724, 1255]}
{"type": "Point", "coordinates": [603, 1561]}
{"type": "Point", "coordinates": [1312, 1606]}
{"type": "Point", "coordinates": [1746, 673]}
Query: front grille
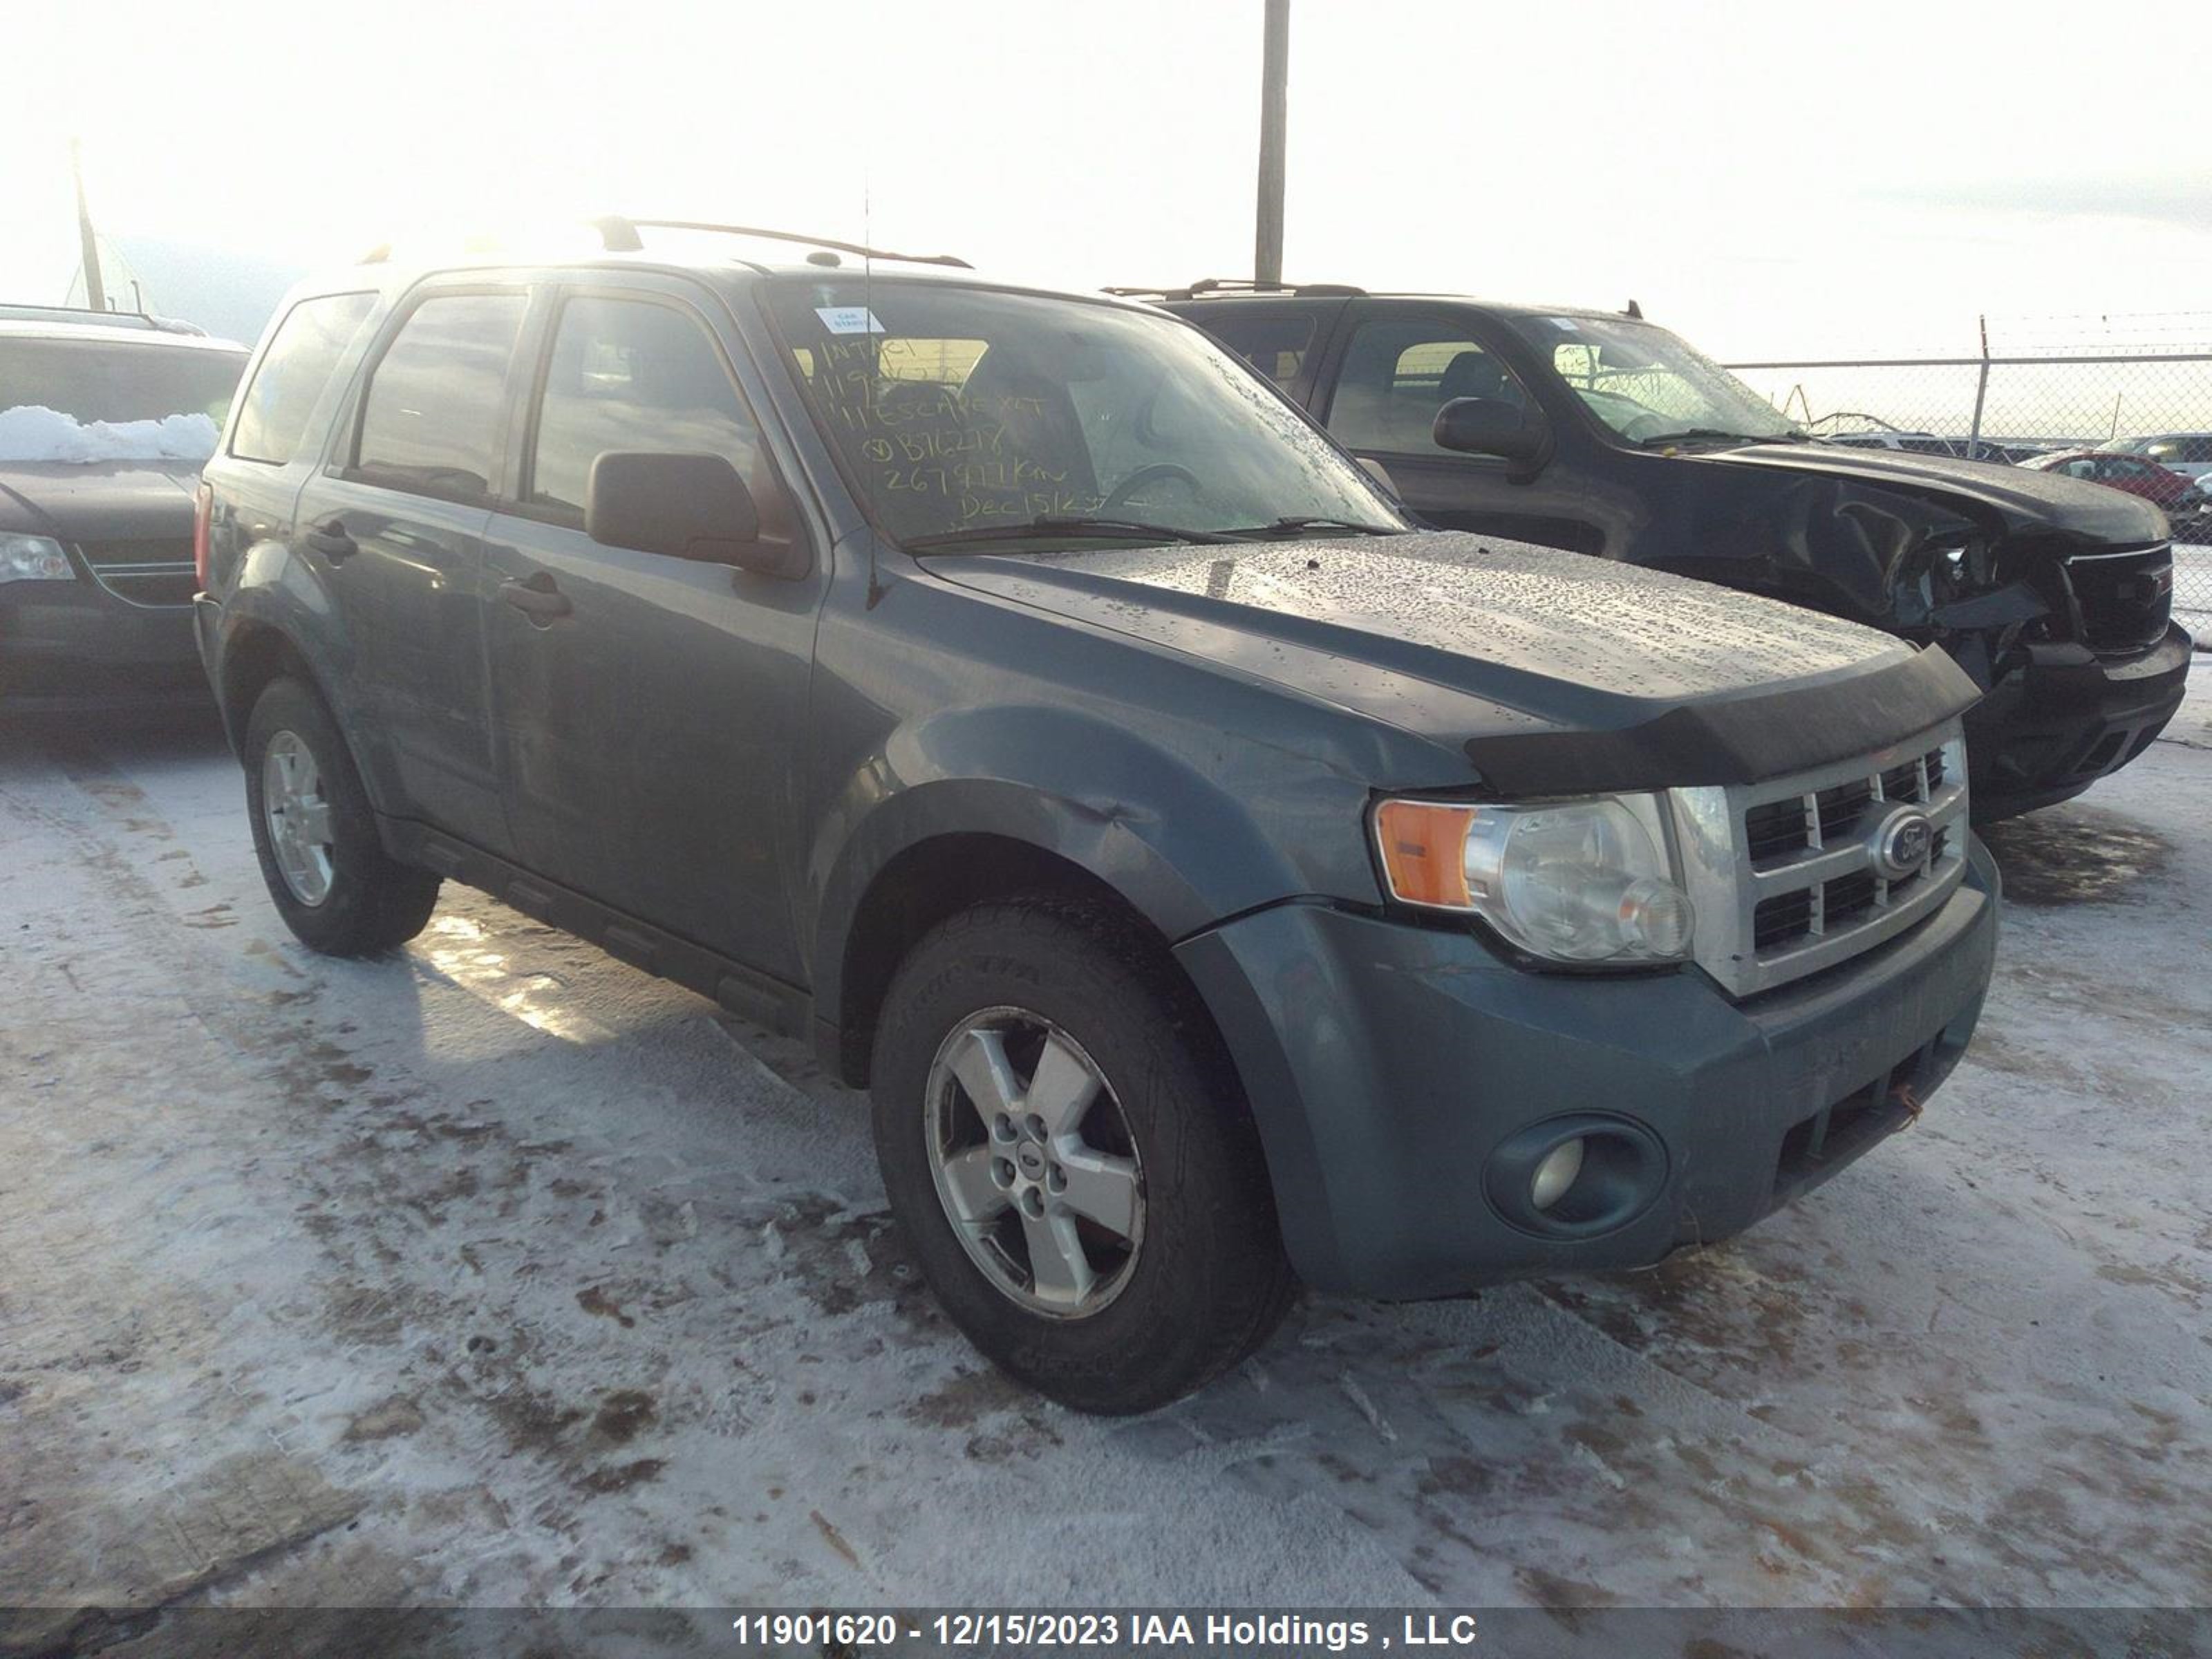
{"type": "Point", "coordinates": [1785, 916]}
{"type": "Point", "coordinates": [1847, 898]}
{"type": "Point", "coordinates": [1843, 1128]}
{"type": "Point", "coordinates": [1789, 876]}
{"type": "Point", "coordinates": [1775, 829]}
{"type": "Point", "coordinates": [150, 572]}
{"type": "Point", "coordinates": [1841, 807]}
{"type": "Point", "coordinates": [2126, 598]}
{"type": "Point", "coordinates": [1903, 783]}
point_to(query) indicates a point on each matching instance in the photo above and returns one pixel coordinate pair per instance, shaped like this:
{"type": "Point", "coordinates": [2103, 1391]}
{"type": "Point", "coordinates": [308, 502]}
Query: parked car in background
{"type": "Point", "coordinates": [104, 421]}
{"type": "Point", "coordinates": [1217, 880]}
{"type": "Point", "coordinates": [1926, 443]}
{"type": "Point", "coordinates": [2189, 453]}
{"type": "Point", "coordinates": [1608, 434]}
{"type": "Point", "coordinates": [2178, 495]}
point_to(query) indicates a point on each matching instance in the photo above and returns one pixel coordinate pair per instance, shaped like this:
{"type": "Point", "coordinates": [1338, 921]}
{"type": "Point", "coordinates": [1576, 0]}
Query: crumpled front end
{"type": "Point", "coordinates": [2078, 654]}
{"type": "Point", "coordinates": [2054, 595]}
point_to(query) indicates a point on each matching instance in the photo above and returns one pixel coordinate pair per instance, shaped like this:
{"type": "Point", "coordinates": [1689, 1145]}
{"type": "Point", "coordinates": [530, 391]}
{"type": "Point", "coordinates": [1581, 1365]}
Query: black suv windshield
{"type": "Point", "coordinates": [109, 380]}
{"type": "Point", "coordinates": [963, 410]}
{"type": "Point", "coordinates": [1647, 384]}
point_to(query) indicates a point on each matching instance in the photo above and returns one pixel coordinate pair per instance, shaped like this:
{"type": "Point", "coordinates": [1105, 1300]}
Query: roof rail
{"type": "Point", "coordinates": [15, 311]}
{"type": "Point", "coordinates": [618, 234]}
{"type": "Point", "coordinates": [1207, 285]}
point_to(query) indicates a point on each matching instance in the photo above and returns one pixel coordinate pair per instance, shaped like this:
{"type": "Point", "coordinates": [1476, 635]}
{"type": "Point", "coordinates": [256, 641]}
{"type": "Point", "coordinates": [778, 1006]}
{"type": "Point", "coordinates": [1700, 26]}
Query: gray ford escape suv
{"type": "Point", "coordinates": [1216, 882]}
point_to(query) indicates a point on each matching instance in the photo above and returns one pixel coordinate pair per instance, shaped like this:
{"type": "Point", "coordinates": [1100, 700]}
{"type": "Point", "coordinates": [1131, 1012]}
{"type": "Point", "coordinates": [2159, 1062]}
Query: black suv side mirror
{"type": "Point", "coordinates": [1491, 426]}
{"type": "Point", "coordinates": [686, 507]}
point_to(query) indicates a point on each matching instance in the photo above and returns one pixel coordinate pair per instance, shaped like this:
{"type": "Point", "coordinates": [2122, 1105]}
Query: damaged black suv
{"type": "Point", "coordinates": [1608, 434]}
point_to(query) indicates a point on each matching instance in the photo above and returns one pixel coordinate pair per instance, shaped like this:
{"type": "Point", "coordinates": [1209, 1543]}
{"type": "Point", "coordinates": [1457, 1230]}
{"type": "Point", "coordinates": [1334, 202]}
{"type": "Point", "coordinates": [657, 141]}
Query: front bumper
{"type": "Point", "coordinates": [2047, 732]}
{"type": "Point", "coordinates": [1386, 1064]}
{"type": "Point", "coordinates": [74, 647]}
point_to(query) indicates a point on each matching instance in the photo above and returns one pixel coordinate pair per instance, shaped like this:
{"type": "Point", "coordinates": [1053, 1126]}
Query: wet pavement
{"type": "Point", "coordinates": [496, 1272]}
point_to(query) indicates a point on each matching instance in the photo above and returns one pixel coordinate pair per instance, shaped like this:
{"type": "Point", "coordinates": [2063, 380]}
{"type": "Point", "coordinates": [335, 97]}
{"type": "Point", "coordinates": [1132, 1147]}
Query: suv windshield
{"type": "Point", "coordinates": [964, 412]}
{"type": "Point", "coordinates": [1647, 384]}
{"type": "Point", "coordinates": [109, 380]}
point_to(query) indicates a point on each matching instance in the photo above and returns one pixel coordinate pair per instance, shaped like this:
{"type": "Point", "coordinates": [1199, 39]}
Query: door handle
{"type": "Point", "coordinates": [331, 541]}
{"type": "Point", "coordinates": [537, 598]}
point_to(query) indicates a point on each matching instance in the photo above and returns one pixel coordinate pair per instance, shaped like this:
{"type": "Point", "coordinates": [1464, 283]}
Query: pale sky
{"type": "Point", "coordinates": [1769, 180]}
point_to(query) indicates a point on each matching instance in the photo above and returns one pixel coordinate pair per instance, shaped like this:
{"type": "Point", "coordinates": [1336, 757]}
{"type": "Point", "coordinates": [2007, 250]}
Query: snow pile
{"type": "Point", "coordinates": [31, 432]}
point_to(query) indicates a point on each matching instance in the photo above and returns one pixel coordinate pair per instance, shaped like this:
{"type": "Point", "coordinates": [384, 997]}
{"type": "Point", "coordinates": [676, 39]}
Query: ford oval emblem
{"type": "Point", "coordinates": [1901, 844]}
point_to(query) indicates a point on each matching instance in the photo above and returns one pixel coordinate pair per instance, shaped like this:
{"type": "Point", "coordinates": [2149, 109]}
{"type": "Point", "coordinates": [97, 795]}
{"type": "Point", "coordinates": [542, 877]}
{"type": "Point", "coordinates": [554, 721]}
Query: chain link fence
{"type": "Point", "coordinates": [2122, 402]}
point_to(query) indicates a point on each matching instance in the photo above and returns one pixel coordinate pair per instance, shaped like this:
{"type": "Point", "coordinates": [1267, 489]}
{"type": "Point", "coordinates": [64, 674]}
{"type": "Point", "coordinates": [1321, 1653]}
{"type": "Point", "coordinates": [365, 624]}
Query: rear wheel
{"type": "Point", "coordinates": [327, 871]}
{"type": "Point", "coordinates": [1067, 1152]}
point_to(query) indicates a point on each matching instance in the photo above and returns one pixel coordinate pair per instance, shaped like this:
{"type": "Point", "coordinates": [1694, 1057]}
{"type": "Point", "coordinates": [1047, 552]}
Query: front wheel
{"type": "Point", "coordinates": [326, 869]}
{"type": "Point", "coordinates": [1068, 1154]}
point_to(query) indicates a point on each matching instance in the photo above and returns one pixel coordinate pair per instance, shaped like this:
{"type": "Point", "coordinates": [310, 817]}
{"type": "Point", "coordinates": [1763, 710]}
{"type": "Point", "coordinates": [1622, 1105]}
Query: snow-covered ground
{"type": "Point", "coordinates": [501, 1273]}
{"type": "Point", "coordinates": [2192, 588]}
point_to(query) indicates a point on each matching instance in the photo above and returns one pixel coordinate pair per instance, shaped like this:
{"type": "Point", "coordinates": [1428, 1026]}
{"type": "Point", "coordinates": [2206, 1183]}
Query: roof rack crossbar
{"type": "Point", "coordinates": [16, 310]}
{"type": "Point", "coordinates": [618, 234]}
{"type": "Point", "coordinates": [1205, 285]}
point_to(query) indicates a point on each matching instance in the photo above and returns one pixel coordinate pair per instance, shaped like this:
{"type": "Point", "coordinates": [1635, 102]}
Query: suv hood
{"type": "Point", "coordinates": [2021, 497]}
{"type": "Point", "coordinates": [99, 501]}
{"type": "Point", "coordinates": [1521, 656]}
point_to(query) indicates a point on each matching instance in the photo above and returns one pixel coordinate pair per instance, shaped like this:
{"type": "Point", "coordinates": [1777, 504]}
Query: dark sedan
{"type": "Point", "coordinates": [104, 423]}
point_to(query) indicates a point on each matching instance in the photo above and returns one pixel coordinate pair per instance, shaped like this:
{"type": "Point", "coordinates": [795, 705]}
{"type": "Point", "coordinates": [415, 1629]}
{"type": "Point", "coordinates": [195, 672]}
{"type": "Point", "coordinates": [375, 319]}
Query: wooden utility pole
{"type": "Point", "coordinates": [1274, 85]}
{"type": "Point", "coordinates": [96, 291]}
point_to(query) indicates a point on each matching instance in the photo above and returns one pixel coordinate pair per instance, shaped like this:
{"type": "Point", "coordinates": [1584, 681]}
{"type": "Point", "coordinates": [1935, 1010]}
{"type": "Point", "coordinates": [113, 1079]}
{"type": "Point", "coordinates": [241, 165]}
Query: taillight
{"type": "Point", "coordinates": [203, 516]}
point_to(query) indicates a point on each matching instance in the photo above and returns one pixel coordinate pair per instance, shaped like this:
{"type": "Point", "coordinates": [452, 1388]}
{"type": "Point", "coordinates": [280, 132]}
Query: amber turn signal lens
{"type": "Point", "coordinates": [1424, 847]}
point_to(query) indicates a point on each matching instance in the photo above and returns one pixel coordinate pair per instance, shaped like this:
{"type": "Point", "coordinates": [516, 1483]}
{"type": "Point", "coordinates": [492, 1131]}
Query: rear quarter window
{"type": "Point", "coordinates": [315, 336]}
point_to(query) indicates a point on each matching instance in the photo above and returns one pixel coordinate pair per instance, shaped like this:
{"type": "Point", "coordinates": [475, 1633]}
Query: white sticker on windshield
{"type": "Point", "coordinates": [1566, 323]}
{"type": "Point", "coordinates": [849, 319]}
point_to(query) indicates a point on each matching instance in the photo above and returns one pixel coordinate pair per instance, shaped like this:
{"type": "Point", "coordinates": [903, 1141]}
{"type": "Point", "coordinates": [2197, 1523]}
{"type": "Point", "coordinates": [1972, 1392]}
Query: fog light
{"type": "Point", "coordinates": [1556, 1173]}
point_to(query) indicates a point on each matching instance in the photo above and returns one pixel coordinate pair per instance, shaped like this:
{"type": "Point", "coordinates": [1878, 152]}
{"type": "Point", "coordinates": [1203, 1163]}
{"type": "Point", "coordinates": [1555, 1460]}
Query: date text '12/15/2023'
{"type": "Point", "coordinates": [963, 1631]}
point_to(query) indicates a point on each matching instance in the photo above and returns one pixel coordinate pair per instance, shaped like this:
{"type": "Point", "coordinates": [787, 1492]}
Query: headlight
{"type": "Point", "coordinates": [1580, 881]}
{"type": "Point", "coordinates": [33, 559]}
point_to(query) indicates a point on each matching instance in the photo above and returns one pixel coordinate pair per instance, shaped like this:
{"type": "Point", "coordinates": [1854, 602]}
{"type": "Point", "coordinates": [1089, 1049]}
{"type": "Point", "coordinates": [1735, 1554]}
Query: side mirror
{"type": "Point", "coordinates": [1491, 426]}
{"type": "Point", "coordinates": [683, 507]}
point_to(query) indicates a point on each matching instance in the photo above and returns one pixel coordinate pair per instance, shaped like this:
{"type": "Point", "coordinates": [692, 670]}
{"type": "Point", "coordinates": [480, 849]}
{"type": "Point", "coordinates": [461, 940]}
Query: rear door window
{"type": "Point", "coordinates": [315, 336]}
{"type": "Point", "coordinates": [432, 420]}
{"type": "Point", "coordinates": [1397, 374]}
{"type": "Point", "coordinates": [1275, 345]}
{"type": "Point", "coordinates": [631, 375]}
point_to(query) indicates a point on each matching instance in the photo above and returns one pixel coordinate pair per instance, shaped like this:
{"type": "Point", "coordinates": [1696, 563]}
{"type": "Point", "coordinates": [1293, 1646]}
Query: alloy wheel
{"type": "Point", "coordinates": [1035, 1163]}
{"type": "Point", "coordinates": [297, 815]}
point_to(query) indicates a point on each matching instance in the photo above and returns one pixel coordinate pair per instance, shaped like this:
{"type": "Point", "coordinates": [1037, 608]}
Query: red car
{"type": "Point", "coordinates": [2178, 495]}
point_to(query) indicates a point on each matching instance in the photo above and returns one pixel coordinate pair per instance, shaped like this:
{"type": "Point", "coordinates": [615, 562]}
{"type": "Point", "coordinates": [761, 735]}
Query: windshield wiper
{"type": "Point", "coordinates": [1791, 437]}
{"type": "Point", "coordinates": [1284, 529]}
{"type": "Point", "coordinates": [1120, 530]}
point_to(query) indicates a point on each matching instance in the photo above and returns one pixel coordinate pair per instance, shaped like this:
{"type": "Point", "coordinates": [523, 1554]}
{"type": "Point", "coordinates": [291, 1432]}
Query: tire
{"type": "Point", "coordinates": [368, 902]}
{"type": "Point", "coordinates": [1205, 1281]}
